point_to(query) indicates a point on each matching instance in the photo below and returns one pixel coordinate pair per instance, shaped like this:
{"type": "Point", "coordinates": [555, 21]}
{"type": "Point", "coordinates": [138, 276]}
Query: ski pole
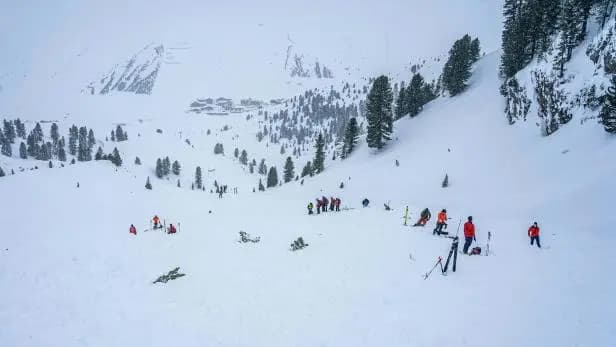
{"type": "Point", "coordinates": [458, 230]}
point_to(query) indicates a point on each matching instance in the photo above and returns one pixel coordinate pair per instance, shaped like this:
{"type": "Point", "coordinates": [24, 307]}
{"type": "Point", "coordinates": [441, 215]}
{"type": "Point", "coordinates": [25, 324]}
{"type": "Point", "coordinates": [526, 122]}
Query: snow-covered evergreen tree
{"type": "Point", "coordinates": [350, 137]}
{"type": "Point", "coordinates": [23, 152]}
{"type": "Point", "coordinates": [244, 157]}
{"type": "Point", "coordinates": [148, 185]}
{"type": "Point", "coordinates": [159, 168]}
{"type": "Point", "coordinates": [262, 167]}
{"type": "Point", "coordinates": [307, 170]}
{"type": "Point", "coordinates": [176, 168]}
{"type": "Point", "coordinates": [99, 154]}
{"type": "Point", "coordinates": [379, 113]}
{"type": "Point", "coordinates": [137, 161]}
{"type": "Point", "coordinates": [198, 178]}
{"type": "Point", "coordinates": [272, 177]}
{"type": "Point", "coordinates": [608, 109]}
{"type": "Point", "coordinates": [115, 157]}
{"type": "Point", "coordinates": [318, 164]}
{"type": "Point", "coordinates": [289, 170]}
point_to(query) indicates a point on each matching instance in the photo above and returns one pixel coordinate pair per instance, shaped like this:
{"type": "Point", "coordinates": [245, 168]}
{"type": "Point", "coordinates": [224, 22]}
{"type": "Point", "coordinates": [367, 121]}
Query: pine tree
{"type": "Point", "coordinates": [23, 153]}
{"type": "Point", "coordinates": [99, 154]}
{"type": "Point", "coordinates": [307, 170]}
{"type": "Point", "coordinates": [379, 114]}
{"type": "Point", "coordinates": [137, 161]}
{"type": "Point", "coordinates": [113, 135]}
{"type": "Point", "coordinates": [72, 140]}
{"type": "Point", "coordinates": [218, 149]}
{"type": "Point", "coordinates": [84, 152]}
{"type": "Point", "coordinates": [9, 131]}
{"type": "Point", "coordinates": [115, 157]}
{"type": "Point", "coordinates": [91, 139]}
{"type": "Point", "coordinates": [198, 178]}
{"type": "Point", "coordinates": [244, 157]}
{"type": "Point", "coordinates": [608, 110]}
{"type": "Point", "coordinates": [166, 166]}
{"type": "Point", "coordinates": [272, 177]}
{"type": "Point", "coordinates": [2, 174]}
{"type": "Point", "coordinates": [176, 168]}
{"type": "Point", "coordinates": [148, 185]}
{"type": "Point", "coordinates": [318, 164]}
{"type": "Point", "coordinates": [20, 128]}
{"type": "Point", "coordinates": [262, 168]}
{"type": "Point", "coordinates": [261, 187]}
{"type": "Point", "coordinates": [415, 95]}
{"type": "Point", "coordinates": [350, 137]}
{"type": "Point", "coordinates": [401, 104]}
{"type": "Point", "coordinates": [61, 154]}
{"type": "Point", "coordinates": [289, 170]}
{"type": "Point", "coordinates": [236, 152]}
{"type": "Point", "coordinates": [119, 134]}
{"type": "Point", "coordinates": [159, 168]}
{"type": "Point", "coordinates": [55, 135]}
{"type": "Point", "coordinates": [178, 184]}
{"type": "Point", "coordinates": [457, 69]}
{"type": "Point", "coordinates": [6, 148]}
{"type": "Point", "coordinates": [475, 50]}
{"type": "Point", "coordinates": [38, 132]}
{"type": "Point", "coordinates": [445, 182]}
{"type": "Point", "coordinates": [50, 165]}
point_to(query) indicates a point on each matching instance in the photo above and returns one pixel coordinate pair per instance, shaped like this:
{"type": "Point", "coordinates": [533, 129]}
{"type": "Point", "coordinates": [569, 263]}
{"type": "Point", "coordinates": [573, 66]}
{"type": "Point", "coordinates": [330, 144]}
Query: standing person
{"type": "Point", "coordinates": [365, 202]}
{"type": "Point", "coordinates": [156, 221]}
{"type": "Point", "coordinates": [332, 203]}
{"type": "Point", "coordinates": [319, 204]}
{"type": "Point", "coordinates": [132, 230]}
{"type": "Point", "coordinates": [220, 191]}
{"type": "Point", "coordinates": [441, 221]}
{"type": "Point", "coordinates": [469, 234]}
{"type": "Point", "coordinates": [533, 233]}
{"type": "Point", "coordinates": [338, 202]}
{"type": "Point", "coordinates": [310, 207]}
{"type": "Point", "coordinates": [325, 203]}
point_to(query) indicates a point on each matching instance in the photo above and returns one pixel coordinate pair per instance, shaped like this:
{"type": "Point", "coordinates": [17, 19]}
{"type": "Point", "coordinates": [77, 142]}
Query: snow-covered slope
{"type": "Point", "coordinates": [137, 76]}
{"type": "Point", "coordinates": [72, 275]}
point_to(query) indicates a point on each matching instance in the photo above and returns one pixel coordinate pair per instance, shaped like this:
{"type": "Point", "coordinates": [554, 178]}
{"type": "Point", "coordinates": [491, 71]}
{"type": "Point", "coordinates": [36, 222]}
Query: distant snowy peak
{"type": "Point", "coordinates": [297, 65]}
{"type": "Point", "coordinates": [137, 75]}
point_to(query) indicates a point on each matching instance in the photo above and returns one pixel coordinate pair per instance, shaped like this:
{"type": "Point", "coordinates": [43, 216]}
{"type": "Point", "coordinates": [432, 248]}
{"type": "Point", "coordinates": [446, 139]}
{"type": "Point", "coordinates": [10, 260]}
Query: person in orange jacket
{"type": "Point", "coordinates": [441, 221]}
{"type": "Point", "coordinates": [469, 234]}
{"type": "Point", "coordinates": [533, 233]}
{"type": "Point", "coordinates": [156, 220]}
{"type": "Point", "coordinates": [132, 230]}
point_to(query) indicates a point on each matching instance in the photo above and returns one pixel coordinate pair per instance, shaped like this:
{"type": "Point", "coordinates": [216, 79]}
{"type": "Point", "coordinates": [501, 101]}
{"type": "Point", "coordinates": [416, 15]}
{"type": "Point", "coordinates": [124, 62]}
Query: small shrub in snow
{"type": "Point", "coordinates": [171, 275]}
{"type": "Point", "coordinates": [298, 244]}
{"type": "Point", "coordinates": [246, 238]}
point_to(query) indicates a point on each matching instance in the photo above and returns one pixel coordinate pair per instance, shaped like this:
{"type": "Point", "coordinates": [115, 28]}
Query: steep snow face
{"type": "Point", "coordinates": [137, 76]}
{"type": "Point", "coordinates": [539, 99]}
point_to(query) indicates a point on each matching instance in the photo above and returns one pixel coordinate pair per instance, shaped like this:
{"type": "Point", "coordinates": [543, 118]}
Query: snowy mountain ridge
{"type": "Point", "coordinates": [137, 76]}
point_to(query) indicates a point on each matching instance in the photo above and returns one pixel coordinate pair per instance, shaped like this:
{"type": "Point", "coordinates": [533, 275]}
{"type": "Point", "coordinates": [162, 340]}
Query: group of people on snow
{"type": "Point", "coordinates": [156, 225]}
{"type": "Point", "coordinates": [469, 228]}
{"type": "Point", "coordinates": [323, 203]}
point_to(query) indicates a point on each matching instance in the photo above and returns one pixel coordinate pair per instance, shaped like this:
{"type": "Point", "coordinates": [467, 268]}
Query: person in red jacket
{"type": "Point", "coordinates": [533, 233]}
{"type": "Point", "coordinates": [171, 229]}
{"type": "Point", "coordinates": [319, 205]}
{"type": "Point", "coordinates": [338, 201]}
{"type": "Point", "coordinates": [469, 234]}
{"type": "Point", "coordinates": [132, 230]}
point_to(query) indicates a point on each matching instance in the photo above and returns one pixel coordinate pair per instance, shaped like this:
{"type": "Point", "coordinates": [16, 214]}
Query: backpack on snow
{"type": "Point", "coordinates": [476, 251]}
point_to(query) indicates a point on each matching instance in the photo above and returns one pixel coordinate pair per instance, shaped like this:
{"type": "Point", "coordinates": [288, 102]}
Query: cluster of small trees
{"type": "Point", "coordinates": [164, 167]}
{"type": "Point", "coordinates": [119, 134]}
{"type": "Point", "coordinates": [114, 157]}
{"type": "Point", "coordinates": [412, 98]}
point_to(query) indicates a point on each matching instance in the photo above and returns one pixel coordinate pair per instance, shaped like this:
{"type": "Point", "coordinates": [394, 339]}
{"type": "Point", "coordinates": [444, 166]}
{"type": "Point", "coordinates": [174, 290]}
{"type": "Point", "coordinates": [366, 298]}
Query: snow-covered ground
{"type": "Point", "coordinates": [72, 275]}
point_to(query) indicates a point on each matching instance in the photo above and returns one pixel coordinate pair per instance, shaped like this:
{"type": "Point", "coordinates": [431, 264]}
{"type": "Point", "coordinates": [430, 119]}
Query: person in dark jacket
{"type": "Point", "coordinates": [325, 203]}
{"type": "Point", "coordinates": [365, 202]}
{"type": "Point", "coordinates": [424, 217]}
